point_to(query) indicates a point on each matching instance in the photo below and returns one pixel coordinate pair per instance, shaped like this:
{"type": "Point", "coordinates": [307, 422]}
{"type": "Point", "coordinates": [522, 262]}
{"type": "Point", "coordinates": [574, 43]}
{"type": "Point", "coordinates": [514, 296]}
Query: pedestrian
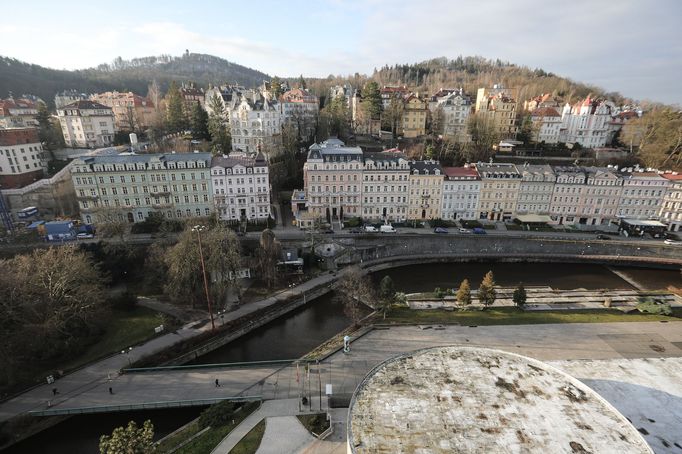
{"type": "Point", "coordinates": [54, 391]}
{"type": "Point", "coordinates": [111, 391]}
{"type": "Point", "coordinates": [217, 383]}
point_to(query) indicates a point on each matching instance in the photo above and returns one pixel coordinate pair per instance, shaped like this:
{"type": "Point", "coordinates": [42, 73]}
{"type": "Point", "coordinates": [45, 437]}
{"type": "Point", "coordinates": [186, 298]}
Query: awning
{"type": "Point", "coordinates": [533, 218]}
{"type": "Point", "coordinates": [644, 222]}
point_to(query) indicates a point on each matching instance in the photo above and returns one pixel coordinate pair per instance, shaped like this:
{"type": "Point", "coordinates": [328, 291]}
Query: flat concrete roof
{"type": "Point", "coordinates": [465, 399]}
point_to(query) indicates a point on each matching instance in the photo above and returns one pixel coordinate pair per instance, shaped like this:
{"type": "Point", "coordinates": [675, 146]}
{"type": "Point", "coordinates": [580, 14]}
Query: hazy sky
{"type": "Point", "coordinates": [631, 46]}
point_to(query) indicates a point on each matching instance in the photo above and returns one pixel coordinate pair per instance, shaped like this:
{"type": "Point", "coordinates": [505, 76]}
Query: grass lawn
{"type": "Point", "coordinates": [171, 442]}
{"type": "Point", "coordinates": [315, 423]}
{"type": "Point", "coordinates": [514, 316]}
{"type": "Point", "coordinates": [210, 439]}
{"type": "Point", "coordinates": [251, 441]}
{"type": "Point", "coordinates": [126, 328]}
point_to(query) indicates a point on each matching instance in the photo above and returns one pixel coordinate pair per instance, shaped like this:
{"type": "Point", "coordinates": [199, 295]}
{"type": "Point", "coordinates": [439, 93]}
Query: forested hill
{"type": "Point", "coordinates": [19, 77]}
{"type": "Point", "coordinates": [471, 73]}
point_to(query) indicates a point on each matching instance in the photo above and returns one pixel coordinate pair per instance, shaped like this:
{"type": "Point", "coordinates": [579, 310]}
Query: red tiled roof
{"type": "Point", "coordinates": [672, 177]}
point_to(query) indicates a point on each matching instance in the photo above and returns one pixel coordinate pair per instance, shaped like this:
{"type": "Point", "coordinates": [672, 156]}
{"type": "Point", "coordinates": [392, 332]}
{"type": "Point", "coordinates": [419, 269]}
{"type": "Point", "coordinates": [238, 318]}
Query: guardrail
{"type": "Point", "coordinates": [141, 406]}
{"type": "Point", "coordinates": [274, 362]}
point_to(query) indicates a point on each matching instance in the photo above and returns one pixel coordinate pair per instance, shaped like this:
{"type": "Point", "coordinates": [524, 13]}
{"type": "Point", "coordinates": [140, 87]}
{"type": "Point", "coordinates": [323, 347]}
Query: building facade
{"type": "Point", "coordinates": [642, 194]}
{"type": "Point", "coordinates": [131, 112]}
{"type": "Point", "coordinates": [500, 184]}
{"type": "Point", "coordinates": [18, 113]}
{"type": "Point", "coordinates": [241, 187]}
{"type": "Point", "coordinates": [461, 191]}
{"type": "Point", "coordinates": [536, 189]}
{"type": "Point", "coordinates": [498, 106]}
{"type": "Point", "coordinates": [671, 208]}
{"type": "Point", "coordinates": [130, 187]}
{"type": "Point", "coordinates": [415, 112]}
{"type": "Point", "coordinates": [333, 182]}
{"type": "Point", "coordinates": [22, 159]}
{"type": "Point", "coordinates": [385, 187]}
{"type": "Point", "coordinates": [546, 125]}
{"type": "Point", "coordinates": [67, 97]}
{"type": "Point", "coordinates": [455, 108]}
{"type": "Point", "coordinates": [300, 109]}
{"type": "Point", "coordinates": [426, 190]}
{"type": "Point", "coordinates": [587, 122]}
{"type": "Point", "coordinates": [256, 124]}
{"type": "Point", "coordinates": [87, 124]}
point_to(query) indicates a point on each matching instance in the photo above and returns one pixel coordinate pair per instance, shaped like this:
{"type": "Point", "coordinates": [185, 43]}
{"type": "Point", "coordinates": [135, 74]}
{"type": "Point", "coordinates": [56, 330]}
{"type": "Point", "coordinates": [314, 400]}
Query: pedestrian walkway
{"type": "Point", "coordinates": [269, 409]}
{"type": "Point", "coordinates": [283, 435]}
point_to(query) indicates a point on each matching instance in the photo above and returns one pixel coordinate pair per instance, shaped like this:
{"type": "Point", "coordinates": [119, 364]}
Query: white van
{"type": "Point", "coordinates": [387, 229]}
{"type": "Point", "coordinates": [370, 228]}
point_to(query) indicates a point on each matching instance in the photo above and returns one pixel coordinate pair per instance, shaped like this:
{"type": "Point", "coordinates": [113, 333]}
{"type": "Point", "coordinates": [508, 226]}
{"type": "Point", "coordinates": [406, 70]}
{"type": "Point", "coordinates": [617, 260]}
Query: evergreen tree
{"type": "Point", "coordinates": [486, 291]}
{"type": "Point", "coordinates": [301, 82]}
{"type": "Point", "coordinates": [371, 100]}
{"type": "Point", "coordinates": [386, 294]}
{"type": "Point", "coordinates": [199, 123]}
{"type": "Point", "coordinates": [464, 293]}
{"type": "Point", "coordinates": [49, 132]}
{"type": "Point", "coordinates": [219, 132]}
{"type": "Point", "coordinates": [175, 112]}
{"type": "Point", "coordinates": [519, 296]}
{"type": "Point", "coordinates": [276, 87]}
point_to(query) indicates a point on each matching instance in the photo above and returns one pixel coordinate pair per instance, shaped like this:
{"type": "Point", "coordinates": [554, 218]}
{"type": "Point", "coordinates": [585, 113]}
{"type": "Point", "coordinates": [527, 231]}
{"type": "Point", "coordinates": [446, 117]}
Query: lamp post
{"type": "Point", "coordinates": [199, 229]}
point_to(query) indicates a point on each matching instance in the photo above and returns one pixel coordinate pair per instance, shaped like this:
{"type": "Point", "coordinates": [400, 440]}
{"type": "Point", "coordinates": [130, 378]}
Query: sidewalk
{"type": "Point", "coordinates": [269, 409]}
{"type": "Point", "coordinates": [98, 373]}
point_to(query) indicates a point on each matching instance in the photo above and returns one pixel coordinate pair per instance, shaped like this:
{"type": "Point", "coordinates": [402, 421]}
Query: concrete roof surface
{"type": "Point", "coordinates": [473, 400]}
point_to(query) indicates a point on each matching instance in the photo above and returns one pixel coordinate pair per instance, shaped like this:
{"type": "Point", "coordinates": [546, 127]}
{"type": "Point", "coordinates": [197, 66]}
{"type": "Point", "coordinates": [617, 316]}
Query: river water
{"type": "Point", "coordinates": [302, 330]}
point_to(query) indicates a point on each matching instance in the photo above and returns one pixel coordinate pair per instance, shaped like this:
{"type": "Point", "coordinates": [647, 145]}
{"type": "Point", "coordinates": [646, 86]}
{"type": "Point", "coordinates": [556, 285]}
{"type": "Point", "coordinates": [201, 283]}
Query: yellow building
{"type": "Point", "coordinates": [500, 185]}
{"type": "Point", "coordinates": [426, 190]}
{"type": "Point", "coordinates": [414, 116]}
{"type": "Point", "coordinates": [498, 105]}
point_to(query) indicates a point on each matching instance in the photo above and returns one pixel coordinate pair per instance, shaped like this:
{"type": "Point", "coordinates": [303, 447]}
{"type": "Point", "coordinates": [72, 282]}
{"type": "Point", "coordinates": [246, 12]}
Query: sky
{"type": "Point", "coordinates": [630, 46]}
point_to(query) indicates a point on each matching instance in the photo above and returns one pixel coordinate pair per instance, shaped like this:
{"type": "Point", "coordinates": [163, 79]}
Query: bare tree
{"type": "Point", "coordinates": [354, 290]}
{"type": "Point", "coordinates": [267, 256]}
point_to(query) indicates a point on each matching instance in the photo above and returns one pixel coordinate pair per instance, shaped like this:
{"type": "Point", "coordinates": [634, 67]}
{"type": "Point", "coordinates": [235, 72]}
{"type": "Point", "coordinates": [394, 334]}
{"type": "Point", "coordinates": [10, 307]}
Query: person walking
{"type": "Point", "coordinates": [55, 391]}
{"type": "Point", "coordinates": [111, 391]}
{"type": "Point", "coordinates": [217, 383]}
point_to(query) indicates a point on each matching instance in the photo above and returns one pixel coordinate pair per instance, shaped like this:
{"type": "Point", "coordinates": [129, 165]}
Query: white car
{"type": "Point", "coordinates": [387, 229]}
{"type": "Point", "coordinates": [370, 228]}
{"type": "Point", "coordinates": [672, 242]}
{"type": "Point", "coordinates": [85, 236]}
{"type": "Point", "coordinates": [463, 230]}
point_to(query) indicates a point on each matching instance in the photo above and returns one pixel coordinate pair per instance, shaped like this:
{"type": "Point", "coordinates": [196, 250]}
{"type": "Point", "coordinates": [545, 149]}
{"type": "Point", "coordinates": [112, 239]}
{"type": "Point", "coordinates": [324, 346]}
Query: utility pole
{"type": "Point", "coordinates": [198, 229]}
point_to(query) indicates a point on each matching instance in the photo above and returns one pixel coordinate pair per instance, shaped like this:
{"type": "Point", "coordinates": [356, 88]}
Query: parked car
{"type": "Point", "coordinates": [601, 236]}
{"type": "Point", "coordinates": [85, 236]}
{"type": "Point", "coordinates": [440, 230]}
{"type": "Point", "coordinates": [370, 228]}
{"type": "Point", "coordinates": [479, 231]}
{"type": "Point", "coordinates": [463, 230]}
{"type": "Point", "coordinates": [672, 242]}
{"type": "Point", "coordinates": [355, 230]}
{"type": "Point", "coordinates": [327, 231]}
{"type": "Point", "coordinates": [387, 229]}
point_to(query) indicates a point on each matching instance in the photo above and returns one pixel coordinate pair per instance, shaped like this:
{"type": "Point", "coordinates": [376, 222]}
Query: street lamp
{"type": "Point", "coordinates": [199, 229]}
{"type": "Point", "coordinates": [127, 353]}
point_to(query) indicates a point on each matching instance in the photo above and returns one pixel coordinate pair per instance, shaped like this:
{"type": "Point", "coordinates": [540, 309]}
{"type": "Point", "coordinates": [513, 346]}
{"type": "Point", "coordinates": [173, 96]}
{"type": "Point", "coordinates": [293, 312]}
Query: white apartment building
{"type": "Point", "coordinates": [300, 109]}
{"type": "Point", "coordinates": [385, 187]}
{"type": "Point", "coordinates": [643, 194]}
{"type": "Point", "coordinates": [241, 187]}
{"type": "Point", "coordinates": [130, 187]}
{"type": "Point", "coordinates": [587, 123]}
{"type": "Point", "coordinates": [67, 97]}
{"type": "Point", "coordinates": [456, 107]}
{"type": "Point", "coordinates": [500, 184]}
{"type": "Point", "coordinates": [22, 159]}
{"type": "Point", "coordinates": [19, 112]}
{"type": "Point", "coordinates": [671, 208]}
{"type": "Point", "coordinates": [87, 124]}
{"type": "Point", "coordinates": [257, 124]}
{"type": "Point", "coordinates": [537, 187]}
{"type": "Point", "coordinates": [227, 96]}
{"type": "Point", "coordinates": [333, 182]}
{"type": "Point", "coordinates": [461, 191]}
{"type": "Point", "coordinates": [546, 125]}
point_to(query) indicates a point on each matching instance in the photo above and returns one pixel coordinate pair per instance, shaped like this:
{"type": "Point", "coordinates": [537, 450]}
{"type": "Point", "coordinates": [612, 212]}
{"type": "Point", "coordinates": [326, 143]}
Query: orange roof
{"type": "Point", "coordinates": [545, 112]}
{"type": "Point", "coordinates": [672, 177]}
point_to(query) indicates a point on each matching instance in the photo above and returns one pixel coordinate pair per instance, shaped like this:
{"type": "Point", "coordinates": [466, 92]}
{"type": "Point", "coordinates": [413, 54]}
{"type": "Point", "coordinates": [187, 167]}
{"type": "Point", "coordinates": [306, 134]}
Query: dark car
{"type": "Point", "coordinates": [440, 230]}
{"type": "Point", "coordinates": [355, 230]}
{"type": "Point", "coordinates": [601, 236]}
{"type": "Point", "coordinates": [479, 231]}
{"type": "Point", "coordinates": [327, 231]}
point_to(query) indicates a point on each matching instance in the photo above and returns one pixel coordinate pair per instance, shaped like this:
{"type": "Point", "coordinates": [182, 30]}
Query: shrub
{"type": "Point", "coordinates": [439, 293]}
{"type": "Point", "coordinates": [218, 414]}
{"type": "Point", "coordinates": [353, 222]}
{"type": "Point", "coordinates": [654, 307]}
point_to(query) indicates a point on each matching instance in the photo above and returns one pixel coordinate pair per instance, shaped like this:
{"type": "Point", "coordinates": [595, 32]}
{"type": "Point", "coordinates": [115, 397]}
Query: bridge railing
{"type": "Point", "coordinates": [141, 406]}
{"type": "Point", "coordinates": [254, 364]}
